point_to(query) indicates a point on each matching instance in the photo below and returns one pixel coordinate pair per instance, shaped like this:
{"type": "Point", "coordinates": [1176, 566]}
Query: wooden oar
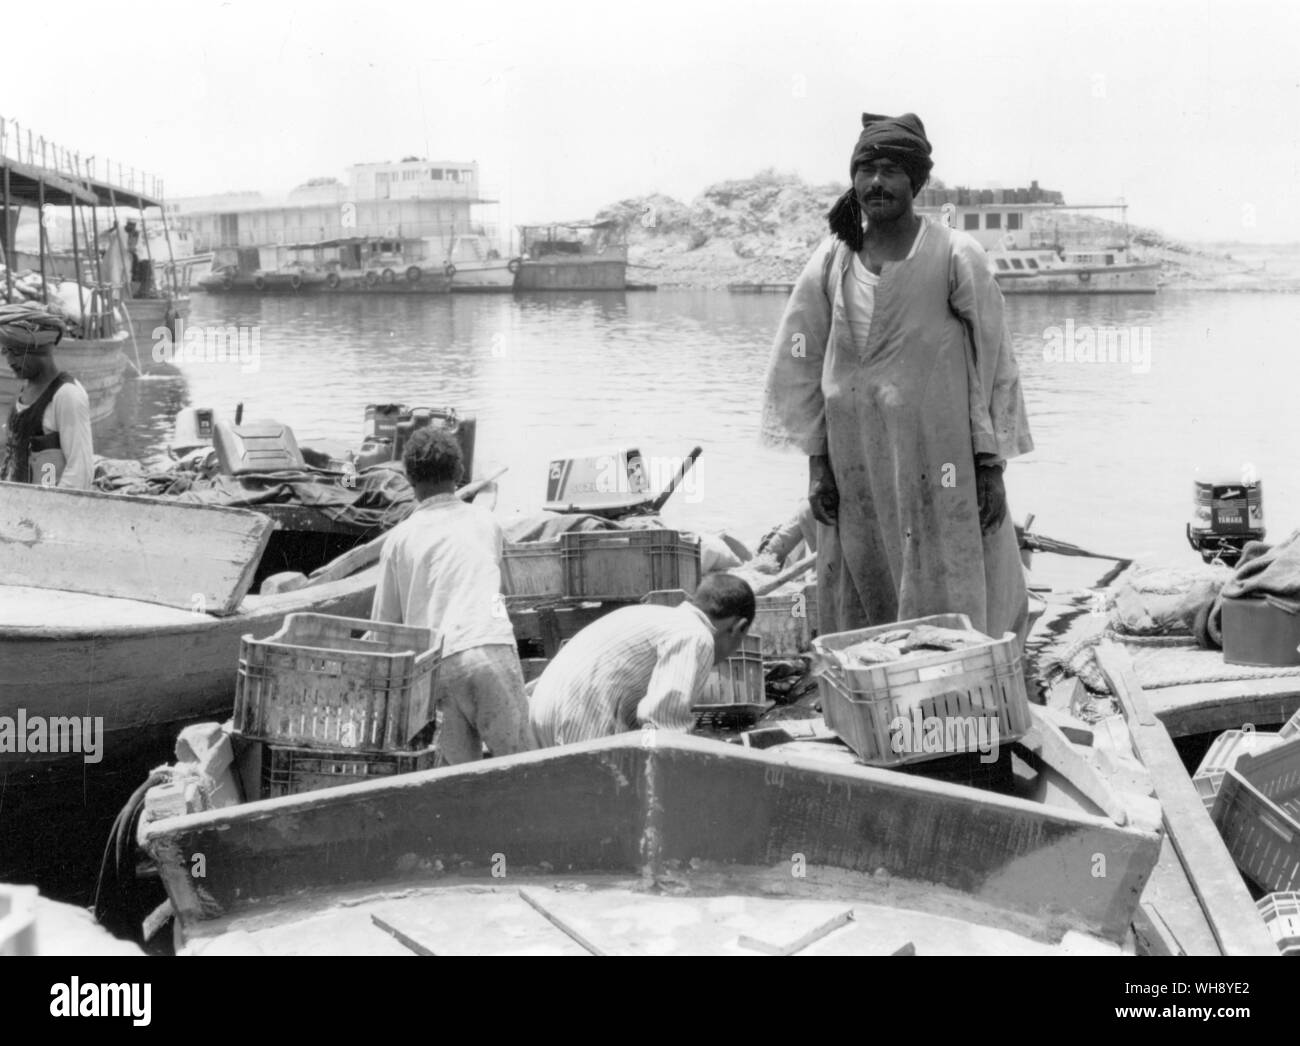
{"type": "Point", "coordinates": [789, 572]}
{"type": "Point", "coordinates": [363, 555]}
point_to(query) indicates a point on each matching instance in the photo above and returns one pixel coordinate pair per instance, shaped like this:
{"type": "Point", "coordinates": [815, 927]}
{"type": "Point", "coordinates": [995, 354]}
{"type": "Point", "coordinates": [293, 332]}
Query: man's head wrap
{"type": "Point", "coordinates": [31, 327]}
{"type": "Point", "coordinates": [898, 138]}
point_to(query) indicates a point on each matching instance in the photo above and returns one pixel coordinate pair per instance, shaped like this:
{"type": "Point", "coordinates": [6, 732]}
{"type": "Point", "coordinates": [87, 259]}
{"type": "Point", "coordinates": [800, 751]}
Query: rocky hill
{"type": "Point", "coordinates": [762, 230]}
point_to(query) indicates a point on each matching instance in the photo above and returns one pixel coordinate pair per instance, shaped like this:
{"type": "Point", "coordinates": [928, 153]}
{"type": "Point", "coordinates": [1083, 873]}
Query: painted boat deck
{"type": "Point", "coordinates": [700, 913]}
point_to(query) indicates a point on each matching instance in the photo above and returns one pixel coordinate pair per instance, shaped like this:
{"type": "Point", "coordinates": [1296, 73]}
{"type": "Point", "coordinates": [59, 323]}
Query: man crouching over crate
{"type": "Point", "coordinates": [640, 666]}
{"type": "Point", "coordinates": [441, 569]}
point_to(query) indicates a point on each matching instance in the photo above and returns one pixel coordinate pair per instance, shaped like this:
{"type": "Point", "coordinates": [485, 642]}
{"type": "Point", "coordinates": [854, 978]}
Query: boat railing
{"type": "Point", "coordinates": [22, 145]}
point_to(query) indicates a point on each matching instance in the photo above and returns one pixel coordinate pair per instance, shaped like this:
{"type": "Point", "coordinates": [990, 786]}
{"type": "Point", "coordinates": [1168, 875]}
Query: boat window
{"type": "Point", "coordinates": [1002, 263]}
{"type": "Point", "coordinates": [435, 173]}
{"type": "Point", "coordinates": [1013, 221]}
{"type": "Point", "coordinates": [1031, 263]}
{"type": "Point", "coordinates": [972, 221]}
{"type": "Point", "coordinates": [993, 220]}
{"type": "Point", "coordinates": [1110, 259]}
{"type": "Point", "coordinates": [1016, 263]}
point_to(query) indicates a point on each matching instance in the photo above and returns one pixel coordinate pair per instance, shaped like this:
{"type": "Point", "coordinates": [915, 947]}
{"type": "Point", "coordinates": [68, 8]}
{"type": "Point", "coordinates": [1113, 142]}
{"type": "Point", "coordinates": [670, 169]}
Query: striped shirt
{"type": "Point", "coordinates": [637, 666]}
{"type": "Point", "coordinates": [441, 570]}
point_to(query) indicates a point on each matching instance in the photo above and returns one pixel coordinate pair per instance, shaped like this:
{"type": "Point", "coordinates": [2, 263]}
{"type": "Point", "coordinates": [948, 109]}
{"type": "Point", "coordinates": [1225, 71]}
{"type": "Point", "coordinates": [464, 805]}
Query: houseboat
{"type": "Point", "coordinates": [572, 256]}
{"type": "Point", "coordinates": [389, 228]}
{"type": "Point", "coordinates": [1037, 244]}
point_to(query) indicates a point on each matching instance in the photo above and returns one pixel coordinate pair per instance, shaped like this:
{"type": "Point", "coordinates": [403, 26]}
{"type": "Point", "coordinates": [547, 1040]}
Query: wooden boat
{"type": "Point", "coordinates": [655, 844]}
{"type": "Point", "coordinates": [128, 611]}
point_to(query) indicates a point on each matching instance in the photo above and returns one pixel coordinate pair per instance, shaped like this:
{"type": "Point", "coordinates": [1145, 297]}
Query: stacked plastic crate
{"type": "Point", "coordinates": [333, 700]}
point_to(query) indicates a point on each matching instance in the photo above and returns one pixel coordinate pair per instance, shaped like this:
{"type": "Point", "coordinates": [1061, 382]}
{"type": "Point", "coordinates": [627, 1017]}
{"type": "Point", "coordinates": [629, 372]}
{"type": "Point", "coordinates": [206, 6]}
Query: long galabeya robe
{"type": "Point", "coordinates": [902, 423]}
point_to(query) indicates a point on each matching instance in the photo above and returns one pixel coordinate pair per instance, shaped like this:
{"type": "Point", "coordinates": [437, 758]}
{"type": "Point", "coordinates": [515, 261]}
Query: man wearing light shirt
{"type": "Point", "coordinates": [441, 570]}
{"type": "Point", "coordinates": [640, 666]}
{"type": "Point", "coordinates": [50, 413]}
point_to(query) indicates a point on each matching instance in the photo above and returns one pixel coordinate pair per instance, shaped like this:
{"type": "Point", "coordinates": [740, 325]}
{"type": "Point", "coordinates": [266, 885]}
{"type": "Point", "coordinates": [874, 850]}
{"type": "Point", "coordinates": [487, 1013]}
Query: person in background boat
{"type": "Point", "coordinates": [441, 569]}
{"type": "Point", "coordinates": [139, 262]}
{"type": "Point", "coordinates": [893, 372]}
{"type": "Point", "coordinates": [787, 542]}
{"type": "Point", "coordinates": [640, 666]}
{"type": "Point", "coordinates": [47, 437]}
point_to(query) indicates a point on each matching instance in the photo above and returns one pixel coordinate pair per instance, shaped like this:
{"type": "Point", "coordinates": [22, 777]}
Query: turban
{"type": "Point", "coordinates": [31, 327]}
{"type": "Point", "coordinates": [901, 139]}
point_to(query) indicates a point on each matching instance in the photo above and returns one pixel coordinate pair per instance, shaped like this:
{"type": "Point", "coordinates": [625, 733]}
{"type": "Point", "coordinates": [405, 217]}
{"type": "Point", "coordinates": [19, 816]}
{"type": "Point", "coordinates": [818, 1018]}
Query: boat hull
{"type": "Point", "coordinates": [481, 277]}
{"type": "Point", "coordinates": [1113, 279]}
{"type": "Point", "coordinates": [557, 273]}
{"type": "Point", "coordinates": [658, 810]}
{"type": "Point", "coordinates": [98, 363]}
{"type": "Point", "coordinates": [147, 671]}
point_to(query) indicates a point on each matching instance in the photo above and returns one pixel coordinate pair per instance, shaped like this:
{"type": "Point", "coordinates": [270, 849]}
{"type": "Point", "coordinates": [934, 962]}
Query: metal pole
{"type": "Point", "coordinates": [40, 198]}
{"type": "Point", "coordinates": [76, 268]}
{"type": "Point", "coordinates": [99, 273]}
{"type": "Point", "coordinates": [167, 234]}
{"type": "Point", "coordinates": [9, 239]}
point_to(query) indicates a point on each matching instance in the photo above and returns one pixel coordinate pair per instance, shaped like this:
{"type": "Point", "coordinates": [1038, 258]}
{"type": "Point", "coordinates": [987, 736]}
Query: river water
{"type": "Point", "coordinates": [1209, 382]}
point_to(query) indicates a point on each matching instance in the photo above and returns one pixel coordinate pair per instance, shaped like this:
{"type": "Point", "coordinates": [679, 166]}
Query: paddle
{"type": "Point", "coordinates": [363, 555]}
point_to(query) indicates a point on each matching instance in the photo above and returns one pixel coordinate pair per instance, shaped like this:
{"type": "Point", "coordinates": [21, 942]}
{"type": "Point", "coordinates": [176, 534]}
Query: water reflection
{"type": "Point", "coordinates": [1117, 446]}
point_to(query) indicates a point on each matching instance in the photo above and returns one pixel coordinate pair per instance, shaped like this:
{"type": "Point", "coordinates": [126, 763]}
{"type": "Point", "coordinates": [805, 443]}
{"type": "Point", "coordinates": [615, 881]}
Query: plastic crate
{"type": "Point", "coordinates": [316, 683]}
{"type": "Point", "coordinates": [532, 568]}
{"type": "Point", "coordinates": [1222, 756]}
{"type": "Point", "coordinates": [784, 624]}
{"type": "Point", "coordinates": [626, 564]}
{"type": "Point", "coordinates": [288, 770]}
{"type": "Point", "coordinates": [959, 687]}
{"type": "Point", "coordinates": [1258, 814]}
{"type": "Point", "coordinates": [738, 680]}
{"type": "Point", "coordinates": [1257, 633]}
{"type": "Point", "coordinates": [1281, 913]}
{"type": "Point", "coordinates": [1292, 727]}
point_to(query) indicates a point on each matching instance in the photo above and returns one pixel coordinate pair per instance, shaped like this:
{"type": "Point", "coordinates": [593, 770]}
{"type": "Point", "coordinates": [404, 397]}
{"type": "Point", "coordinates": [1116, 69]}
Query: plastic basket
{"type": "Point", "coordinates": [977, 695]}
{"type": "Point", "coordinates": [1281, 913]}
{"type": "Point", "coordinates": [784, 624]}
{"type": "Point", "coordinates": [317, 683]}
{"type": "Point", "coordinates": [626, 564]}
{"type": "Point", "coordinates": [1222, 756]}
{"type": "Point", "coordinates": [1258, 815]}
{"type": "Point", "coordinates": [738, 680]}
{"type": "Point", "coordinates": [290, 770]}
{"type": "Point", "coordinates": [532, 568]}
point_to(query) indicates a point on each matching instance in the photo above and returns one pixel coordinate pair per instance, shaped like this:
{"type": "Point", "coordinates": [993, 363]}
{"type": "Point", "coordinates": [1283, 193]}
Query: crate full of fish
{"type": "Point", "coordinates": [922, 689]}
{"type": "Point", "coordinates": [336, 682]}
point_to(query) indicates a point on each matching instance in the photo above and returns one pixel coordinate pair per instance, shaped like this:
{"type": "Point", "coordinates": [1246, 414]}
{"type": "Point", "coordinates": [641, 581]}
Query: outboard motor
{"type": "Point", "coordinates": [1225, 516]}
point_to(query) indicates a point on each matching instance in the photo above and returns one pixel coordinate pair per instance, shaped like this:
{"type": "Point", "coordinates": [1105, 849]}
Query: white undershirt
{"type": "Point", "coordinates": [860, 294]}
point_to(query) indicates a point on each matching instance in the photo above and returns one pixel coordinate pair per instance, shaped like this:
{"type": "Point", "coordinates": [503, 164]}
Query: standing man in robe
{"type": "Point", "coordinates": [893, 372]}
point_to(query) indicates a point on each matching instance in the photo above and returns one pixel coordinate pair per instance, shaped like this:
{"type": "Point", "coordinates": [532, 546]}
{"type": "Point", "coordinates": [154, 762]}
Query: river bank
{"type": "Point", "coordinates": [763, 229]}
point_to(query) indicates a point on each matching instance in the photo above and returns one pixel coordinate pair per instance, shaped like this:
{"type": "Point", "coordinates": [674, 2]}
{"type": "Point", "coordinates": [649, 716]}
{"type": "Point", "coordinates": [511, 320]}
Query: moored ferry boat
{"type": "Point", "coordinates": [1037, 244]}
{"type": "Point", "coordinates": [572, 256]}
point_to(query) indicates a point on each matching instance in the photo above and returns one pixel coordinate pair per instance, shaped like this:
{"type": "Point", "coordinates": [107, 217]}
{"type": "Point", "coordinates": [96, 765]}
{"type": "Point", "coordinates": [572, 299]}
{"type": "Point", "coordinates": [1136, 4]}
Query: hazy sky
{"type": "Point", "coordinates": [1191, 111]}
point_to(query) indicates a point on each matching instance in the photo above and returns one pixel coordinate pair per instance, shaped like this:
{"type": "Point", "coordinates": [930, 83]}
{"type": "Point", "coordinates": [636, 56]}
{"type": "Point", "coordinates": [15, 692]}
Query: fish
{"type": "Point", "coordinates": [870, 653]}
{"type": "Point", "coordinates": [935, 638]}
